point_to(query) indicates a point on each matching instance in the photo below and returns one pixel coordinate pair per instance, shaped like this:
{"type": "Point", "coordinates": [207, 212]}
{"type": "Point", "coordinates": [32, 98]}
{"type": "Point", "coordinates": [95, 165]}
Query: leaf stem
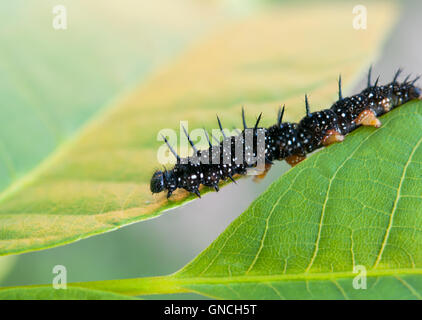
{"type": "Point", "coordinates": [137, 286]}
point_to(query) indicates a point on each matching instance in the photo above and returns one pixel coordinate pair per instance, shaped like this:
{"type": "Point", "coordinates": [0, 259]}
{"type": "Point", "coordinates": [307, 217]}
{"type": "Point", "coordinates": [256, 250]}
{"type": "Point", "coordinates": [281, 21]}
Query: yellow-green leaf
{"type": "Point", "coordinates": [100, 180]}
{"type": "Point", "coordinates": [44, 293]}
{"type": "Point", "coordinates": [53, 81]}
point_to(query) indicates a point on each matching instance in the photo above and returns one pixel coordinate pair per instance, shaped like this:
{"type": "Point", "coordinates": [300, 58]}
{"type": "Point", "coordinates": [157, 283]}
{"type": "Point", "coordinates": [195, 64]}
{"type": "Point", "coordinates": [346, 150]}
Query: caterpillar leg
{"type": "Point", "coordinates": [368, 118]}
{"type": "Point", "coordinates": [261, 176]}
{"type": "Point", "coordinates": [294, 160]}
{"type": "Point", "coordinates": [331, 137]}
{"type": "Point", "coordinates": [196, 192]}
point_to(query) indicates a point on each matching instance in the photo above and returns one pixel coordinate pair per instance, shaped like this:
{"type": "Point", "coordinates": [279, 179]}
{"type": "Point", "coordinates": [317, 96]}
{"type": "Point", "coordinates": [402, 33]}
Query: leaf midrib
{"type": "Point", "coordinates": [175, 284]}
{"type": "Point", "coordinates": [297, 276]}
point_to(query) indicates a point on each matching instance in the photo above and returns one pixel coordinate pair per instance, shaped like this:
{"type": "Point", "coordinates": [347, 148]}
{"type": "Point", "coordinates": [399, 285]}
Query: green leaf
{"type": "Point", "coordinates": [100, 180]}
{"type": "Point", "coordinates": [358, 203]}
{"type": "Point", "coordinates": [45, 293]}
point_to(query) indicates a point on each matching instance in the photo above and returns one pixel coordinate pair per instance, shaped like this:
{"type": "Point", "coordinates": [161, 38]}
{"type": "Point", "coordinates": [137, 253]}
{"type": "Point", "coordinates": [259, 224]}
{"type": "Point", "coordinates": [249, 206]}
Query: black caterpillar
{"type": "Point", "coordinates": [285, 140]}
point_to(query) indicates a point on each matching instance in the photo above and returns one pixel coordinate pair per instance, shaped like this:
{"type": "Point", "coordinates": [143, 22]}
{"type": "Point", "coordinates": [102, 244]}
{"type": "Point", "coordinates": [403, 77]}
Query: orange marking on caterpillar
{"type": "Point", "coordinates": [368, 118]}
{"type": "Point", "coordinates": [294, 160]}
{"type": "Point", "coordinates": [331, 137]}
{"type": "Point", "coordinates": [262, 175]}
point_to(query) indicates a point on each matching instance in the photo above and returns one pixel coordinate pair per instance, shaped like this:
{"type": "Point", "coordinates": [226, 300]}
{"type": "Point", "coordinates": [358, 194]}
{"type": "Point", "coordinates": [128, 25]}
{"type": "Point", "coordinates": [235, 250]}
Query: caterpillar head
{"type": "Point", "coordinates": [415, 92]}
{"type": "Point", "coordinates": [402, 93]}
{"type": "Point", "coordinates": [157, 182]}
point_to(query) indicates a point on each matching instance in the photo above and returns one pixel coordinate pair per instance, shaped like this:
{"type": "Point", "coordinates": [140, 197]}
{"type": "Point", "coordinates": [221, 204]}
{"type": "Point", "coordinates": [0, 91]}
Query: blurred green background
{"type": "Point", "coordinates": [53, 82]}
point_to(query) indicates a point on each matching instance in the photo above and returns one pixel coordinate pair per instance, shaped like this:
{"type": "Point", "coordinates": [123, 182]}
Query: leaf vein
{"type": "Point", "coordinates": [394, 209]}
{"type": "Point", "coordinates": [324, 206]}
